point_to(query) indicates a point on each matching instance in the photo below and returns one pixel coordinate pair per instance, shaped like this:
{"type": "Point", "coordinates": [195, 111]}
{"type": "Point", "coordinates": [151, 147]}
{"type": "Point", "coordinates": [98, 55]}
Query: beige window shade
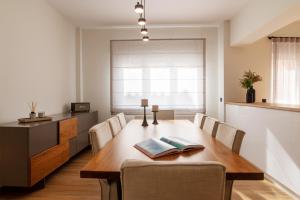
{"type": "Point", "coordinates": [170, 73]}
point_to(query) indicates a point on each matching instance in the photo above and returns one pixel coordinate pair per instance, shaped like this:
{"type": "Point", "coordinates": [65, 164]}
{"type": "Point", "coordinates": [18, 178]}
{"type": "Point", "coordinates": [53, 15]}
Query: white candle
{"type": "Point", "coordinates": [144, 102]}
{"type": "Point", "coordinates": [155, 108]}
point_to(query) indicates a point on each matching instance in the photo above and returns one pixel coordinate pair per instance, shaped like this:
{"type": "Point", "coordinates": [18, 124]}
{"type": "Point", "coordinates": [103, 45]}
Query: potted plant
{"type": "Point", "coordinates": [247, 81]}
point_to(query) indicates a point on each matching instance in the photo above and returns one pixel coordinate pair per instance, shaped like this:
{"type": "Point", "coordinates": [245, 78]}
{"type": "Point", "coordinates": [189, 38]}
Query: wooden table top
{"type": "Point", "coordinates": [107, 163]}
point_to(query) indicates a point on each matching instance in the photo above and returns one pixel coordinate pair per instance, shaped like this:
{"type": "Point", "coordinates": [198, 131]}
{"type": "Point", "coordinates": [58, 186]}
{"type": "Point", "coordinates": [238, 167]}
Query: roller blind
{"type": "Point", "coordinates": [170, 73]}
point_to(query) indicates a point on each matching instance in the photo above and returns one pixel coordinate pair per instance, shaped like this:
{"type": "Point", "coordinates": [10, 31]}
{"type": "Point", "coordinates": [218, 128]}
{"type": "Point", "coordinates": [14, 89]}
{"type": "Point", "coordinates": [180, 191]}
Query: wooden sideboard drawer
{"type": "Point", "coordinates": [67, 130]}
{"type": "Point", "coordinates": [86, 121]}
{"type": "Point", "coordinates": [46, 162]}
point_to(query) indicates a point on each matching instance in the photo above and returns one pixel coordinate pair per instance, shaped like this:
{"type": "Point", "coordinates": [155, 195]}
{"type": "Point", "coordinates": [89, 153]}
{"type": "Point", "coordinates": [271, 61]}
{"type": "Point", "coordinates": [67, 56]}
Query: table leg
{"type": "Point", "coordinates": [228, 189]}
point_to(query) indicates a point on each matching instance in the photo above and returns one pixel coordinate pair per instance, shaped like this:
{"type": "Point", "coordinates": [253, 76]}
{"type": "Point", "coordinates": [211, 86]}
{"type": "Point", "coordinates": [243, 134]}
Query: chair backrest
{"type": "Point", "coordinates": [99, 135]}
{"type": "Point", "coordinates": [210, 126]}
{"type": "Point", "coordinates": [165, 115]}
{"type": "Point", "coordinates": [115, 125]}
{"type": "Point", "coordinates": [230, 136]}
{"type": "Point", "coordinates": [122, 119]}
{"type": "Point", "coordinates": [199, 120]}
{"type": "Point", "coordinates": [171, 181]}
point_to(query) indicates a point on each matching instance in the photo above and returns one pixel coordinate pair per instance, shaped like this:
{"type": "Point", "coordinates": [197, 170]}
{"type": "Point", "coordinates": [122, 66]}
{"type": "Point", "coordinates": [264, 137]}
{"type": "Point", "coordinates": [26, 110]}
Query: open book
{"type": "Point", "coordinates": [155, 148]}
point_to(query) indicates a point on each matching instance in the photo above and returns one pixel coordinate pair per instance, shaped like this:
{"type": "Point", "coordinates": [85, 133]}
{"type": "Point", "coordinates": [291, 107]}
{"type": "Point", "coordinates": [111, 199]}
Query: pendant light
{"type": "Point", "coordinates": [144, 31]}
{"type": "Point", "coordinates": [145, 38]}
{"type": "Point", "coordinates": [142, 21]}
{"type": "Point", "coordinates": [139, 8]}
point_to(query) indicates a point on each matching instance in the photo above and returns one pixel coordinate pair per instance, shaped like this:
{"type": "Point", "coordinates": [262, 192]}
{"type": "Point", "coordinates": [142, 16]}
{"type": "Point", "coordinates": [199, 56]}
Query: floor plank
{"type": "Point", "coordinates": [65, 184]}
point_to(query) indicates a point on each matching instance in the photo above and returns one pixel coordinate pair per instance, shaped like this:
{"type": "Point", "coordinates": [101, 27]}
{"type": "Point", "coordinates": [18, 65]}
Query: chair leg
{"type": "Point", "coordinates": [228, 189]}
{"type": "Point", "coordinates": [110, 189]}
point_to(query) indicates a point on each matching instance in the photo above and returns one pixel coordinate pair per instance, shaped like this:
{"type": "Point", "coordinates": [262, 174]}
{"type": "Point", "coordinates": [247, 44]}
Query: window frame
{"type": "Point", "coordinates": [179, 111]}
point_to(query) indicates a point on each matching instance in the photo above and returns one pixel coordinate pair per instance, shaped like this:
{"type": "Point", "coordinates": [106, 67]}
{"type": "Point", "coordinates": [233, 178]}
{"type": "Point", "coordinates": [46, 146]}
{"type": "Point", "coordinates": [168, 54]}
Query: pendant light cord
{"type": "Point", "coordinates": [144, 9]}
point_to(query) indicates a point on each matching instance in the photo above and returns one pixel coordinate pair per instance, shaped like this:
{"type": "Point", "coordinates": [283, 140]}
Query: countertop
{"type": "Point", "coordinates": [274, 106]}
{"type": "Point", "coordinates": [55, 118]}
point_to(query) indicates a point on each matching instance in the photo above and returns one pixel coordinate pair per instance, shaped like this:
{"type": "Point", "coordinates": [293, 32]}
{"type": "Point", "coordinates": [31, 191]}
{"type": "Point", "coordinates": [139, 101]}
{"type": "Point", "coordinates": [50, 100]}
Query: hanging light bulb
{"type": "Point", "coordinates": [146, 38]}
{"type": "Point", "coordinates": [139, 8]}
{"type": "Point", "coordinates": [144, 31]}
{"type": "Point", "coordinates": [142, 21]}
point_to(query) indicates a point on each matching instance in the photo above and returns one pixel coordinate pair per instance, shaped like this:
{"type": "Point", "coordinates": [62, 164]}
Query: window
{"type": "Point", "coordinates": [286, 70]}
{"type": "Point", "coordinates": [170, 73]}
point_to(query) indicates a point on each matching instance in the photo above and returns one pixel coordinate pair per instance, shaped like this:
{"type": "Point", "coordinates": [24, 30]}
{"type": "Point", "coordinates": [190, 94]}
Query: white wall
{"type": "Point", "coordinates": [262, 17]}
{"type": "Point", "coordinates": [37, 59]}
{"type": "Point", "coordinates": [257, 57]}
{"type": "Point", "coordinates": [237, 60]}
{"type": "Point", "coordinates": [96, 62]}
{"type": "Point", "coordinates": [271, 141]}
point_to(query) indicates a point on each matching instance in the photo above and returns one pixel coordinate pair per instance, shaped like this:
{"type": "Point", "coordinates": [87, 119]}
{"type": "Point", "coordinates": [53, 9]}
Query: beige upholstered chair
{"type": "Point", "coordinates": [199, 120]}
{"type": "Point", "coordinates": [100, 134]}
{"type": "Point", "coordinates": [122, 119]}
{"type": "Point", "coordinates": [115, 125]}
{"type": "Point", "coordinates": [210, 126]}
{"type": "Point", "coordinates": [146, 180]}
{"type": "Point", "coordinates": [230, 136]}
{"type": "Point", "coordinates": [165, 115]}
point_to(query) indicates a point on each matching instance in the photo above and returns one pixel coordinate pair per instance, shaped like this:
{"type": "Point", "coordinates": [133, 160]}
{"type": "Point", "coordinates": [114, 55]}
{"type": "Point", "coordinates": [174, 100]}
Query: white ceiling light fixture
{"type": "Point", "coordinates": [142, 21]}
{"type": "Point", "coordinates": [139, 8]}
{"type": "Point", "coordinates": [144, 31]}
{"type": "Point", "coordinates": [146, 38]}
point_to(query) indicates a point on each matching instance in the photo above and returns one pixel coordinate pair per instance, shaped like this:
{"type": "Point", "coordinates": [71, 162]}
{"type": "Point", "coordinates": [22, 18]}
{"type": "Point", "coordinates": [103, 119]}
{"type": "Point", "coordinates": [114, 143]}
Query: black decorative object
{"type": "Point", "coordinates": [250, 95]}
{"type": "Point", "coordinates": [155, 122]}
{"type": "Point", "coordinates": [144, 103]}
{"type": "Point", "coordinates": [247, 81]}
{"type": "Point", "coordinates": [155, 109]}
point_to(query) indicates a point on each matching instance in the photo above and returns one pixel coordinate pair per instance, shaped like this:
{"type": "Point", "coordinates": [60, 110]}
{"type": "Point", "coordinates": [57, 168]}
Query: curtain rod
{"type": "Point", "coordinates": [271, 37]}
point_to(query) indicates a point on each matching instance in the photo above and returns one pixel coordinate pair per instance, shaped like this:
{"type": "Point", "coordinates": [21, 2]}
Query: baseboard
{"type": "Point", "coordinates": [282, 187]}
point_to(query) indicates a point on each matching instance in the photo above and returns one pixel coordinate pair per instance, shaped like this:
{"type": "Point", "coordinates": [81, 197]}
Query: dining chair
{"type": "Point", "coordinates": [115, 125]}
{"type": "Point", "coordinates": [100, 135]}
{"type": "Point", "coordinates": [199, 120]}
{"type": "Point", "coordinates": [165, 180]}
{"type": "Point", "coordinates": [122, 120]}
{"type": "Point", "coordinates": [165, 115]}
{"type": "Point", "coordinates": [210, 126]}
{"type": "Point", "coordinates": [230, 136]}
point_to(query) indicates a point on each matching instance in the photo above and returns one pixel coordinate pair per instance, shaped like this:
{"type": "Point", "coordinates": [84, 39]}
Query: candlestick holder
{"type": "Point", "coordinates": [155, 122]}
{"type": "Point", "coordinates": [145, 123]}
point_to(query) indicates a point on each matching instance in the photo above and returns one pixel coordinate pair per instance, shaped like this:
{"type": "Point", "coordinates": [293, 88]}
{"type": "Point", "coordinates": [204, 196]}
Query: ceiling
{"type": "Point", "coordinates": [97, 13]}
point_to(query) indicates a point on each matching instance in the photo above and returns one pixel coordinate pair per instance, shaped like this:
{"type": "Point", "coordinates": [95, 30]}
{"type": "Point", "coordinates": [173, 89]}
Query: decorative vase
{"type": "Point", "coordinates": [32, 115]}
{"type": "Point", "coordinates": [250, 95]}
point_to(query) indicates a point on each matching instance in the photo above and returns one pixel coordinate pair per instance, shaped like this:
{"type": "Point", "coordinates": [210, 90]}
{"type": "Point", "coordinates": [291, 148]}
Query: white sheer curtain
{"type": "Point", "coordinates": [170, 73]}
{"type": "Point", "coordinates": [286, 70]}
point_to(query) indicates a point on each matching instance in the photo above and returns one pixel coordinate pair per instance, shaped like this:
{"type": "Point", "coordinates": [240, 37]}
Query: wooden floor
{"type": "Point", "coordinates": [65, 184]}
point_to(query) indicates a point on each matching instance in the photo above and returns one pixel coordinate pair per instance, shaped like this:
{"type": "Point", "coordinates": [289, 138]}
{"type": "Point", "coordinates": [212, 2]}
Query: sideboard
{"type": "Point", "coordinates": [30, 152]}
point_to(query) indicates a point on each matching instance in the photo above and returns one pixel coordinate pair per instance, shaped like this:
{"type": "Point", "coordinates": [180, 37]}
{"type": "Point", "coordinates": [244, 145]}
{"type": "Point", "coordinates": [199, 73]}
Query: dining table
{"type": "Point", "coordinates": [106, 164]}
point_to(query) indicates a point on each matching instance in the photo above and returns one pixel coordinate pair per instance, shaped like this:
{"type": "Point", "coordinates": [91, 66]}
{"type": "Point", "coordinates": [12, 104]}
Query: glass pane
{"type": "Point", "coordinates": [132, 81]}
{"type": "Point", "coordinates": [160, 80]}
